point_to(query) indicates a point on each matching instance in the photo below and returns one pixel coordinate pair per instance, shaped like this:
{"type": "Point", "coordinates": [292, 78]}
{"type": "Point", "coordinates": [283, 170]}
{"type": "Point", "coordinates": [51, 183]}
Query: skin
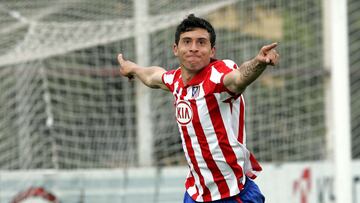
{"type": "Point", "coordinates": [194, 52]}
{"type": "Point", "coordinates": [237, 80]}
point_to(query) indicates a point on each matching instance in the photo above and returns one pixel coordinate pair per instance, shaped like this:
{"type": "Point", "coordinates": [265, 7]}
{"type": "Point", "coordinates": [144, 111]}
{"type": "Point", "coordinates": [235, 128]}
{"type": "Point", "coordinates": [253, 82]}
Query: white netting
{"type": "Point", "coordinates": [64, 105]}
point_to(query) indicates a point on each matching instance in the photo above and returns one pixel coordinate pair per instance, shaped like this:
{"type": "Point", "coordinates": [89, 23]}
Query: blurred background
{"type": "Point", "coordinates": [70, 124]}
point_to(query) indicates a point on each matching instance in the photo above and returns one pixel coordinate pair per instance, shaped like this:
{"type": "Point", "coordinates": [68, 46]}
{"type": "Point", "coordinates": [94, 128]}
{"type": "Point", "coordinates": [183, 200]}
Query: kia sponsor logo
{"type": "Point", "coordinates": [184, 113]}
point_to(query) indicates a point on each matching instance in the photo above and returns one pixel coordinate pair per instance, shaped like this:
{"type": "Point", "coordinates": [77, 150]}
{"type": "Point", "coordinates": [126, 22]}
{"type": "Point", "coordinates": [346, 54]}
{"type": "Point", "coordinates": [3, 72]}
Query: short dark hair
{"type": "Point", "coordinates": [192, 22]}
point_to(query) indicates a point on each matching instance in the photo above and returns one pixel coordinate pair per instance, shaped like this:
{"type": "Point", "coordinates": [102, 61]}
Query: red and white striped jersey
{"type": "Point", "coordinates": [211, 124]}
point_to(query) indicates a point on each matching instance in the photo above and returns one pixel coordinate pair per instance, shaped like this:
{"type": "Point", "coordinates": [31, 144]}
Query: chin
{"type": "Point", "coordinates": [194, 66]}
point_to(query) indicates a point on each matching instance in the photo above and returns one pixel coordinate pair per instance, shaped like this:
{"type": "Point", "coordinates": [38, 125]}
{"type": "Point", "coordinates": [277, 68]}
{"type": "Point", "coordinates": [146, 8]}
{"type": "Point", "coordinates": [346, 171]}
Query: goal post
{"type": "Point", "coordinates": [143, 94]}
{"type": "Point", "coordinates": [336, 60]}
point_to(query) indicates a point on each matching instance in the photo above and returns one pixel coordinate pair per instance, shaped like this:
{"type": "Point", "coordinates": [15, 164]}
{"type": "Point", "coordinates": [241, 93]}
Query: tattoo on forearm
{"type": "Point", "coordinates": [251, 70]}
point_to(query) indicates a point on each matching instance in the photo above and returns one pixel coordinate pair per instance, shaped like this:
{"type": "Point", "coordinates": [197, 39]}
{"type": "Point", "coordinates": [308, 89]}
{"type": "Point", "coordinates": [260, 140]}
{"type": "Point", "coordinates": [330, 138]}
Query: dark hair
{"type": "Point", "coordinates": [192, 22]}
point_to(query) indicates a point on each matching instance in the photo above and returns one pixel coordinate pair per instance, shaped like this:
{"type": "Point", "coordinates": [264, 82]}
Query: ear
{"type": "Point", "coordinates": [175, 49]}
{"type": "Point", "coordinates": [212, 52]}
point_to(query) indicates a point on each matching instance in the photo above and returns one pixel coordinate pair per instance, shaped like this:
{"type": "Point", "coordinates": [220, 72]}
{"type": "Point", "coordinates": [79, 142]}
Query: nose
{"type": "Point", "coordinates": [194, 47]}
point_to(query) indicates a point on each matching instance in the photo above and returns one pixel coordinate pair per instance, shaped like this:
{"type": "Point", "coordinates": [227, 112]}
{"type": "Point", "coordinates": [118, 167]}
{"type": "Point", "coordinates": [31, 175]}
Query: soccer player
{"type": "Point", "coordinates": [209, 109]}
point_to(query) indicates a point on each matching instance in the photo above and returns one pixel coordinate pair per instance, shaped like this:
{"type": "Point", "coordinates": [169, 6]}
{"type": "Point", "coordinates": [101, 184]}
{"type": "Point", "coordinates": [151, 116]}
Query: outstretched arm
{"type": "Point", "coordinates": [150, 76]}
{"type": "Point", "coordinates": [237, 80]}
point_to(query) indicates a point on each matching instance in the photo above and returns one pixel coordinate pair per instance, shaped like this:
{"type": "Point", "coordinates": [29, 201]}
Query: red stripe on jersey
{"type": "Point", "coordinates": [254, 163]}
{"type": "Point", "coordinates": [255, 167]}
{"type": "Point", "coordinates": [205, 151]}
{"type": "Point", "coordinates": [190, 181]}
{"type": "Point", "coordinates": [192, 157]}
{"type": "Point", "coordinates": [221, 135]}
{"type": "Point", "coordinates": [241, 122]}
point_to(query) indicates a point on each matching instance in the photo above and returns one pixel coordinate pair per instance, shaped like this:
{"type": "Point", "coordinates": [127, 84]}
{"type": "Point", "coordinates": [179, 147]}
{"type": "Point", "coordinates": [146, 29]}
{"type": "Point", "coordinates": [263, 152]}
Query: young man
{"type": "Point", "coordinates": [210, 112]}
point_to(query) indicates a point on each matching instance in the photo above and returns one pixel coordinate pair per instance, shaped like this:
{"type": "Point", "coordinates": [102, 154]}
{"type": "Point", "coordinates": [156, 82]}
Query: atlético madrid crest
{"type": "Point", "coordinates": [184, 113]}
{"type": "Point", "coordinates": [195, 90]}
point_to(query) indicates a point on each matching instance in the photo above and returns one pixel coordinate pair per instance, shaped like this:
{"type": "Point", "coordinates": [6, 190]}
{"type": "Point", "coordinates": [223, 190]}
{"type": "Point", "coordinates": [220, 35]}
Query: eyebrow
{"type": "Point", "coordinates": [200, 38]}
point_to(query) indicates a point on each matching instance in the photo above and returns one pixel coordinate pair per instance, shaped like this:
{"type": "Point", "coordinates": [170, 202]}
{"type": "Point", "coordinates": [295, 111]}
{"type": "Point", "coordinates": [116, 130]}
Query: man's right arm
{"type": "Point", "coordinates": [238, 79]}
{"type": "Point", "coordinates": [149, 76]}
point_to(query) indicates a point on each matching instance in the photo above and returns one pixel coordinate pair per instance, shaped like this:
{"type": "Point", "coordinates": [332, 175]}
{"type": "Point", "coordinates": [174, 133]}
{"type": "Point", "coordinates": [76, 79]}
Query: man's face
{"type": "Point", "coordinates": [194, 50]}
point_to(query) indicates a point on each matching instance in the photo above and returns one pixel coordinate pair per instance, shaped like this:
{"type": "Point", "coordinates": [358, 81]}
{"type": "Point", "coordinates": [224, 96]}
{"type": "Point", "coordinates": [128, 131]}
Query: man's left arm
{"type": "Point", "coordinates": [238, 79]}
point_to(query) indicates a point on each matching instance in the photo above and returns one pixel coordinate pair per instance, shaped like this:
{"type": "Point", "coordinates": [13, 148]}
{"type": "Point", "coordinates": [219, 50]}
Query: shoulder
{"type": "Point", "coordinates": [170, 76]}
{"type": "Point", "coordinates": [225, 65]}
{"type": "Point", "coordinates": [219, 68]}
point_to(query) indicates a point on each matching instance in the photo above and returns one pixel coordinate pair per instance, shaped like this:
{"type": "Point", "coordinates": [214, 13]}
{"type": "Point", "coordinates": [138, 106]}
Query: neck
{"type": "Point", "coordinates": [186, 76]}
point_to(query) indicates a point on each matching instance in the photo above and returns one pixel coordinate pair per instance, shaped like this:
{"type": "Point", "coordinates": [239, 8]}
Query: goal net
{"type": "Point", "coordinates": [354, 60]}
{"type": "Point", "coordinates": [63, 104]}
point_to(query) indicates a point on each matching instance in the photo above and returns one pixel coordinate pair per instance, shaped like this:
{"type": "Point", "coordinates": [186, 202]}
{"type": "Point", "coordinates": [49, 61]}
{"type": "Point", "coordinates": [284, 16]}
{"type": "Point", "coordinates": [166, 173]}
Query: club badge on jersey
{"type": "Point", "coordinates": [195, 90]}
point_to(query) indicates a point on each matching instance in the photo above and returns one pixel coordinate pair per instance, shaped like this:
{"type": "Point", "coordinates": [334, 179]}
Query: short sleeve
{"type": "Point", "coordinates": [223, 68]}
{"type": "Point", "coordinates": [168, 79]}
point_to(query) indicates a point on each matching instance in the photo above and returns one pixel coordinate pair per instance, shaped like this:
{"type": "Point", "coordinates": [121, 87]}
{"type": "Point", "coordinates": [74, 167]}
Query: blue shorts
{"type": "Point", "coordinates": [250, 194]}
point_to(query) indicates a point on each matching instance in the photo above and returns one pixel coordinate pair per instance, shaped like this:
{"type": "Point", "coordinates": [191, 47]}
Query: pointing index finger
{"type": "Point", "coordinates": [120, 58]}
{"type": "Point", "coordinates": [269, 47]}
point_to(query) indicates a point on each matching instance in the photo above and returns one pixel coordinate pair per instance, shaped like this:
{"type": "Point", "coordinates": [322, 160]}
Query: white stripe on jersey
{"type": "Point", "coordinates": [235, 118]}
{"type": "Point", "coordinates": [191, 190]}
{"type": "Point", "coordinates": [169, 78]}
{"type": "Point", "coordinates": [215, 76]}
{"type": "Point", "coordinates": [244, 127]}
{"type": "Point", "coordinates": [229, 63]}
{"type": "Point", "coordinates": [236, 108]}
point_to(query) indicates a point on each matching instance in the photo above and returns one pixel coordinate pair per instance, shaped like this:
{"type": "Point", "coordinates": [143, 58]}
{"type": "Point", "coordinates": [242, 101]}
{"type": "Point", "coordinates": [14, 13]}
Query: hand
{"type": "Point", "coordinates": [268, 55]}
{"type": "Point", "coordinates": [126, 67]}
